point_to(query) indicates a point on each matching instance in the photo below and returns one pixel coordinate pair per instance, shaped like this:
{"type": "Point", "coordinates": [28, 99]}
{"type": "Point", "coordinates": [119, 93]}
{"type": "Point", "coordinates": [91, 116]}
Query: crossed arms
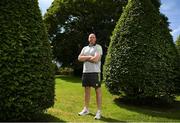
{"type": "Point", "coordinates": [92, 59]}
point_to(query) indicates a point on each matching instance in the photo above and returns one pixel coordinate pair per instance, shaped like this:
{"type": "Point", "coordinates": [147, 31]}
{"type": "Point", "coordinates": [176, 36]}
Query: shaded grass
{"type": "Point", "coordinates": [45, 118]}
{"type": "Point", "coordinates": [69, 101]}
{"type": "Point", "coordinates": [169, 112]}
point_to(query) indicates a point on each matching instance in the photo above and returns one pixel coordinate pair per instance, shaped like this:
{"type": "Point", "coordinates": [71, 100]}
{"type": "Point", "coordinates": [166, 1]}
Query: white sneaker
{"type": "Point", "coordinates": [98, 115]}
{"type": "Point", "coordinates": [83, 112]}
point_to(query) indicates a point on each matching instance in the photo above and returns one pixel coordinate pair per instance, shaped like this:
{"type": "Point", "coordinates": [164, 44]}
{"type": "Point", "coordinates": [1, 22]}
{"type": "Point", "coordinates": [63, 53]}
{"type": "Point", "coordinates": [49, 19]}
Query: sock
{"type": "Point", "coordinates": [98, 111]}
{"type": "Point", "coordinates": [86, 109]}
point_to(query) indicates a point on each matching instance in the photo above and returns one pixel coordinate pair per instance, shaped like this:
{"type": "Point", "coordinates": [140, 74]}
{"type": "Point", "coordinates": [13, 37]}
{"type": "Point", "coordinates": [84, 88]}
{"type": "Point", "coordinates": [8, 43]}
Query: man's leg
{"type": "Point", "coordinates": [85, 111]}
{"type": "Point", "coordinates": [98, 101]}
{"type": "Point", "coordinates": [98, 98]}
{"type": "Point", "coordinates": [87, 93]}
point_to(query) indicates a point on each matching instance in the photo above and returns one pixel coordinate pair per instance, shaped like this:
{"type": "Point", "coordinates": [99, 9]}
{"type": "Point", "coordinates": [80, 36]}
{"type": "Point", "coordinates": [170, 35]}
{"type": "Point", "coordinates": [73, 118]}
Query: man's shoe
{"type": "Point", "coordinates": [98, 116]}
{"type": "Point", "coordinates": [83, 112]}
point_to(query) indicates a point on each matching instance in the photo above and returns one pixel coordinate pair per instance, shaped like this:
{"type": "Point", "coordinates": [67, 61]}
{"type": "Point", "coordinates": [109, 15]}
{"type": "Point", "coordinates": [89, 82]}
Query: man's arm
{"type": "Point", "coordinates": [83, 58]}
{"type": "Point", "coordinates": [98, 54]}
{"type": "Point", "coordinates": [95, 58]}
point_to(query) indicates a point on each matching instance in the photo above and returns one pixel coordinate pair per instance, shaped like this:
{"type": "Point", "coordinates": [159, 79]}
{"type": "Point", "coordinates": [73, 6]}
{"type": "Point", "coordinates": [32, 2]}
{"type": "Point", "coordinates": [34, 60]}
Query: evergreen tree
{"type": "Point", "coordinates": [27, 72]}
{"type": "Point", "coordinates": [178, 78]}
{"type": "Point", "coordinates": [178, 44]}
{"type": "Point", "coordinates": [142, 59]}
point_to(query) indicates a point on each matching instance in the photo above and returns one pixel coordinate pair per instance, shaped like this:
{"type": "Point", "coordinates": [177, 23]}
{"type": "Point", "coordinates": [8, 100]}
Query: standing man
{"type": "Point", "coordinates": [91, 56]}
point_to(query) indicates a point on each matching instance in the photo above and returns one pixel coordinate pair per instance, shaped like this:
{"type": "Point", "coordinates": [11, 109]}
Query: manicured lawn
{"type": "Point", "coordinates": [69, 101]}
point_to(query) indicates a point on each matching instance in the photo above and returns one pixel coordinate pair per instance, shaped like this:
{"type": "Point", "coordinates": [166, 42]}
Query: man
{"type": "Point", "coordinates": [91, 56]}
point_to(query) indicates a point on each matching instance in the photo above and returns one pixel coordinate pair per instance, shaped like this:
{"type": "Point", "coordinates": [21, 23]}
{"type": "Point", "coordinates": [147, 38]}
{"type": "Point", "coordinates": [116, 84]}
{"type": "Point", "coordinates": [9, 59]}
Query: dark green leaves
{"type": "Point", "coordinates": [142, 59]}
{"type": "Point", "coordinates": [27, 74]}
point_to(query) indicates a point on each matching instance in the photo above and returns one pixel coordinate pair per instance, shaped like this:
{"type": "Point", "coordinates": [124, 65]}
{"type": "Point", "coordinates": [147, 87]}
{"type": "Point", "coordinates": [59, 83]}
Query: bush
{"type": "Point", "coordinates": [178, 44]}
{"type": "Point", "coordinates": [178, 78]}
{"type": "Point", "coordinates": [142, 58]}
{"type": "Point", "coordinates": [27, 73]}
{"type": "Point", "coordinates": [65, 71]}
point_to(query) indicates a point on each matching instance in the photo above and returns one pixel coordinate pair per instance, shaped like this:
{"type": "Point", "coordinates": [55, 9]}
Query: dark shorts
{"type": "Point", "coordinates": [91, 80]}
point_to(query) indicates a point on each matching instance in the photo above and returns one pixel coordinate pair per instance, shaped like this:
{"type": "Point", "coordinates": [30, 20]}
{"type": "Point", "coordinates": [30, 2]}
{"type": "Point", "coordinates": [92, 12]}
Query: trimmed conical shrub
{"type": "Point", "coordinates": [27, 73]}
{"type": "Point", "coordinates": [142, 57]}
{"type": "Point", "coordinates": [178, 78]}
{"type": "Point", "coordinates": [178, 44]}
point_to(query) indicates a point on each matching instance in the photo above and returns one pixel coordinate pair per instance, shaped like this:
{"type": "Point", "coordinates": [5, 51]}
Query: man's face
{"type": "Point", "coordinates": [92, 39]}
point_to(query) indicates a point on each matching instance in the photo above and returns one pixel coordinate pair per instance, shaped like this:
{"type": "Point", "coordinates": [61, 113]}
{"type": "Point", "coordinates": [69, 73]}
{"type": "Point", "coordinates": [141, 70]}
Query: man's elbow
{"type": "Point", "coordinates": [97, 59]}
{"type": "Point", "coordinates": [79, 58]}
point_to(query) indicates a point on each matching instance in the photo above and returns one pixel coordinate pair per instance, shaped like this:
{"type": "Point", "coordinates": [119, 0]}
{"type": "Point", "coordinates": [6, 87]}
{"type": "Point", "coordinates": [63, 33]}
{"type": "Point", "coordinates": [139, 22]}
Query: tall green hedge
{"type": "Point", "coordinates": [178, 78]}
{"type": "Point", "coordinates": [27, 77]}
{"type": "Point", "coordinates": [178, 43]}
{"type": "Point", "coordinates": [142, 59]}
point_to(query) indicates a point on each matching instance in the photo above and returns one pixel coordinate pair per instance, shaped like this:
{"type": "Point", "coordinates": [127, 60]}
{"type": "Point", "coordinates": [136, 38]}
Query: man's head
{"type": "Point", "coordinates": [92, 39]}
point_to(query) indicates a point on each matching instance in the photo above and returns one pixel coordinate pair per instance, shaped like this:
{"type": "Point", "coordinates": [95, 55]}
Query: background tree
{"type": "Point", "coordinates": [27, 77]}
{"type": "Point", "coordinates": [69, 23]}
{"type": "Point", "coordinates": [142, 59]}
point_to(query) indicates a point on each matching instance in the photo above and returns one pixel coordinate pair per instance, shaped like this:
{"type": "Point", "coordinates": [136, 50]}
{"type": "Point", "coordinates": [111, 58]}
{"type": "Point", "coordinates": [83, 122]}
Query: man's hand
{"type": "Point", "coordinates": [95, 58]}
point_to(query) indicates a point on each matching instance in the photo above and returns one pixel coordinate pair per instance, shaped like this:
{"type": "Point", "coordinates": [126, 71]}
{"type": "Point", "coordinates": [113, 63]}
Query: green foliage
{"type": "Point", "coordinates": [157, 4]}
{"type": "Point", "coordinates": [70, 21]}
{"type": "Point", "coordinates": [65, 71]}
{"type": "Point", "coordinates": [178, 78]}
{"type": "Point", "coordinates": [27, 77]}
{"type": "Point", "coordinates": [142, 59]}
{"type": "Point", "coordinates": [178, 44]}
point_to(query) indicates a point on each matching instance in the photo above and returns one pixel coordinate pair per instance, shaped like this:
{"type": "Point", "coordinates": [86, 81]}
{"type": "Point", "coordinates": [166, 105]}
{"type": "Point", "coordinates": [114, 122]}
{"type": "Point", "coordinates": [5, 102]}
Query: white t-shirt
{"type": "Point", "coordinates": [89, 67]}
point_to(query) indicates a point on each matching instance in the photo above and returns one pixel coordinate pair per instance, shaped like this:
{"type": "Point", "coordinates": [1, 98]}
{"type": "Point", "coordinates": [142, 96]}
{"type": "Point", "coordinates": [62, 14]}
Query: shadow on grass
{"type": "Point", "coordinates": [168, 111]}
{"type": "Point", "coordinates": [69, 78]}
{"type": "Point", "coordinates": [106, 119]}
{"type": "Point", "coordinates": [36, 118]}
{"type": "Point", "coordinates": [45, 118]}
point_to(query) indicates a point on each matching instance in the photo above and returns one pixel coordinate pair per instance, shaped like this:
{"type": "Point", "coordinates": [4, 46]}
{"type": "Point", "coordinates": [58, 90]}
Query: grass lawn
{"type": "Point", "coordinates": [69, 101]}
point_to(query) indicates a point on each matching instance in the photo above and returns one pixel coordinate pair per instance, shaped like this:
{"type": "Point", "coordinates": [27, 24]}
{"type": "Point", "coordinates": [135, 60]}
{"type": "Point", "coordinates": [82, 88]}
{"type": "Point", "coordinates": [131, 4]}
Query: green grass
{"type": "Point", "coordinates": [69, 101]}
